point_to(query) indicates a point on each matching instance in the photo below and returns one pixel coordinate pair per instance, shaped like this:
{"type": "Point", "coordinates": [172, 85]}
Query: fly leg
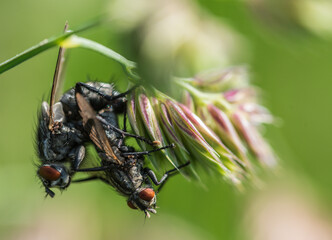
{"type": "Point", "coordinates": [95, 169]}
{"type": "Point", "coordinates": [90, 179]}
{"type": "Point", "coordinates": [77, 154]}
{"type": "Point", "coordinates": [49, 192]}
{"type": "Point", "coordinates": [124, 127]}
{"type": "Point", "coordinates": [147, 152]}
{"type": "Point", "coordinates": [78, 88]}
{"type": "Point", "coordinates": [165, 177]}
{"type": "Point", "coordinates": [115, 129]}
{"type": "Point", "coordinates": [125, 120]}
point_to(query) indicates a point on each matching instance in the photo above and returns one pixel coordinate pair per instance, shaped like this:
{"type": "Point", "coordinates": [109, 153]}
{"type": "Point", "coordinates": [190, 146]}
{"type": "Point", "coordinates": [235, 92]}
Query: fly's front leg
{"type": "Point", "coordinates": [77, 154]}
{"type": "Point", "coordinates": [49, 192]}
{"type": "Point", "coordinates": [166, 176]}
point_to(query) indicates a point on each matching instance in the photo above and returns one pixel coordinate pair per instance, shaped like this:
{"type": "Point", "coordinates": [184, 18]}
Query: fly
{"type": "Point", "coordinates": [61, 138]}
{"type": "Point", "coordinates": [126, 171]}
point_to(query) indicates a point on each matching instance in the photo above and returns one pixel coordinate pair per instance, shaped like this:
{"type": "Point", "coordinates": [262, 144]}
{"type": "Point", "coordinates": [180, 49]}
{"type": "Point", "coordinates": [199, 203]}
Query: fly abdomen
{"type": "Point", "coordinates": [124, 181]}
{"type": "Point", "coordinates": [96, 101]}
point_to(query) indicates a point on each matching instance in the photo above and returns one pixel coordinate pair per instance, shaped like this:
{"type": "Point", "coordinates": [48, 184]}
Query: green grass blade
{"type": "Point", "coordinates": [41, 47]}
{"type": "Point", "coordinates": [128, 66]}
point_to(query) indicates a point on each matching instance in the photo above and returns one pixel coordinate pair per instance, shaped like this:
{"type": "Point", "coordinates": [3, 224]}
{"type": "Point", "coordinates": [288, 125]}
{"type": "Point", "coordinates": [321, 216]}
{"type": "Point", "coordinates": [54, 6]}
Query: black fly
{"type": "Point", "coordinates": [122, 165]}
{"type": "Point", "coordinates": [85, 114]}
{"type": "Point", "coordinates": [61, 138]}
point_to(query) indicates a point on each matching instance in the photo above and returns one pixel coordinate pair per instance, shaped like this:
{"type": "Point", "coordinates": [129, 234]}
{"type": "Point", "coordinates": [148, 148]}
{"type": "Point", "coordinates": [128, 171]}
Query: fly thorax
{"type": "Point", "coordinates": [58, 145]}
{"type": "Point", "coordinates": [136, 176]}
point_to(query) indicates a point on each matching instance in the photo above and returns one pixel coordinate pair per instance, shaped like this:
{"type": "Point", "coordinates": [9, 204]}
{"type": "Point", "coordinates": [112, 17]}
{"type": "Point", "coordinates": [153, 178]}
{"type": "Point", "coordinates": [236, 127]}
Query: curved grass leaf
{"type": "Point", "coordinates": [41, 47]}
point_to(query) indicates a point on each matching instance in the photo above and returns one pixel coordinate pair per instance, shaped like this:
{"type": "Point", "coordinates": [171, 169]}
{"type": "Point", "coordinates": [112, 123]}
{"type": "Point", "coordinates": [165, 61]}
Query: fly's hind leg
{"type": "Point", "coordinates": [165, 177]}
{"type": "Point", "coordinates": [148, 152]}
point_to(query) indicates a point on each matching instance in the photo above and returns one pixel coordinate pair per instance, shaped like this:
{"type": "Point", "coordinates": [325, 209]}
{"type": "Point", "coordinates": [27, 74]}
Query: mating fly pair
{"type": "Point", "coordinates": [61, 138]}
{"type": "Point", "coordinates": [88, 114]}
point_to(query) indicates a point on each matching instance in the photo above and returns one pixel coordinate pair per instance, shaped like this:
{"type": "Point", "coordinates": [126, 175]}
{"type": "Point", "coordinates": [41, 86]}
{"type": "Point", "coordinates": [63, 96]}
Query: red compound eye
{"type": "Point", "coordinates": [147, 194]}
{"type": "Point", "coordinates": [49, 173]}
{"type": "Point", "coordinates": [131, 205]}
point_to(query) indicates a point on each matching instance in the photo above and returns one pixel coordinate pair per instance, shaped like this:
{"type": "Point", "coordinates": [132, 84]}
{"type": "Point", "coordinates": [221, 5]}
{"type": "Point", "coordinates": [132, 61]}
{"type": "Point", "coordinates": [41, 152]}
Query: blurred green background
{"type": "Point", "coordinates": [292, 66]}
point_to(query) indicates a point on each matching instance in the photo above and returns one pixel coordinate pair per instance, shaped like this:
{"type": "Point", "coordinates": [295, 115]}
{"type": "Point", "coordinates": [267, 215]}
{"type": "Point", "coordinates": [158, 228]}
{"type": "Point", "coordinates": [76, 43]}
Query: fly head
{"type": "Point", "coordinates": [54, 175]}
{"type": "Point", "coordinates": [143, 199]}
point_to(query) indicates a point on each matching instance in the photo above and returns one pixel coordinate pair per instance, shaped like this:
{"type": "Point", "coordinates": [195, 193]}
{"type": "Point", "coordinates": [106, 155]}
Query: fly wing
{"type": "Point", "coordinates": [57, 82]}
{"type": "Point", "coordinates": [96, 131]}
